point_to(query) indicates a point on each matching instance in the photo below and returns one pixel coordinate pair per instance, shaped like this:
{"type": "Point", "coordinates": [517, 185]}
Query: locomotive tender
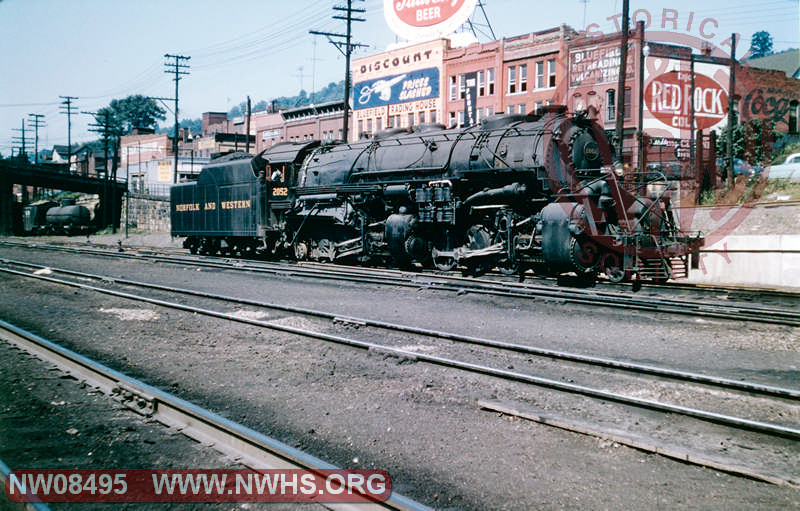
{"type": "Point", "coordinates": [516, 192]}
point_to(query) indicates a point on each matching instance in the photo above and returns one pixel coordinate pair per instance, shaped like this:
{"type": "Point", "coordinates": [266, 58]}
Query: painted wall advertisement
{"type": "Point", "coordinates": [165, 172]}
{"type": "Point", "coordinates": [596, 65]}
{"type": "Point", "coordinates": [668, 97]}
{"type": "Point", "coordinates": [416, 85]}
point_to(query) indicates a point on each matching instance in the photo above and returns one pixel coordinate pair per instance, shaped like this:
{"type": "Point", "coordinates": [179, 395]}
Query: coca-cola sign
{"type": "Point", "coordinates": [426, 19]}
{"type": "Point", "coordinates": [668, 98]}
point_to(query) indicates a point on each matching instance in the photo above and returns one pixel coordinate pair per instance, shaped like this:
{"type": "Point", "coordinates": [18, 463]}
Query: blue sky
{"type": "Point", "coordinates": [99, 50]}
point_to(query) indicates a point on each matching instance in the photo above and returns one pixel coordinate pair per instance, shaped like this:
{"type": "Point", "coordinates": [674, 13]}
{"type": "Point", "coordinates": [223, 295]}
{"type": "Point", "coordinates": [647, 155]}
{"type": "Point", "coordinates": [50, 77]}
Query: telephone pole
{"type": "Point", "coordinates": [178, 69]}
{"type": "Point", "coordinates": [21, 138]}
{"type": "Point", "coordinates": [66, 108]}
{"type": "Point", "coordinates": [344, 44]}
{"type": "Point", "coordinates": [623, 69]}
{"type": "Point", "coordinates": [36, 123]}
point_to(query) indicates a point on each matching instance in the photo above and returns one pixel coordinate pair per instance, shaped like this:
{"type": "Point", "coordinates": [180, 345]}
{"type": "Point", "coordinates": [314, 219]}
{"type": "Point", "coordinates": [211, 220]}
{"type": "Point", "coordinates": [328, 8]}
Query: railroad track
{"type": "Point", "coordinates": [609, 381]}
{"type": "Point", "coordinates": [250, 447]}
{"type": "Point", "coordinates": [452, 283]}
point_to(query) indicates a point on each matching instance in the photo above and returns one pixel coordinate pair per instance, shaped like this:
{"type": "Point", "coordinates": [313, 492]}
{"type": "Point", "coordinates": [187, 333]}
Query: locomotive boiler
{"type": "Point", "coordinates": [516, 192]}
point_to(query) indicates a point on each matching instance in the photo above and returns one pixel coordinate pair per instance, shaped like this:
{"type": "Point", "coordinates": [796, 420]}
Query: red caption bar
{"type": "Point", "coordinates": [198, 485]}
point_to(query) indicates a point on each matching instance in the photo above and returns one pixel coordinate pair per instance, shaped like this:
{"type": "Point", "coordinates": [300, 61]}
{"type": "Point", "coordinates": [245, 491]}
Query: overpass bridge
{"type": "Point", "coordinates": [57, 177]}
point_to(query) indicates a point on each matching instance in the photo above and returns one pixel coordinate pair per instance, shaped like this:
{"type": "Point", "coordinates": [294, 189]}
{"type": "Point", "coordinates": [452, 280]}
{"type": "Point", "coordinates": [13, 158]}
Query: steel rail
{"type": "Point", "coordinates": [661, 305]}
{"type": "Point", "coordinates": [686, 376]}
{"type": "Point", "coordinates": [722, 419]}
{"type": "Point", "coordinates": [256, 450]}
{"type": "Point", "coordinates": [31, 501]}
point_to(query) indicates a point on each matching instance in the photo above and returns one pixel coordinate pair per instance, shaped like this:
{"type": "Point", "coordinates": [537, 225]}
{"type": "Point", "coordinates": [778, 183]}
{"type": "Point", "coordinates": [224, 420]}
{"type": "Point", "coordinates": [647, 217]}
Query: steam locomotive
{"type": "Point", "coordinates": [516, 192]}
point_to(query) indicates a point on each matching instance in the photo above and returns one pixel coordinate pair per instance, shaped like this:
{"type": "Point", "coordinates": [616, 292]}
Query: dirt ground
{"type": "Point", "coordinates": [420, 423]}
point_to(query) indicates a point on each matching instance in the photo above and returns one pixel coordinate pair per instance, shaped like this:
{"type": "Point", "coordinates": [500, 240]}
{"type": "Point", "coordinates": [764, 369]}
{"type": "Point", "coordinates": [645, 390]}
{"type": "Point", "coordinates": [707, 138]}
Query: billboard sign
{"type": "Point", "coordinates": [417, 20]}
{"type": "Point", "coordinates": [400, 88]}
{"type": "Point", "coordinates": [470, 98]}
{"type": "Point", "coordinates": [668, 98]}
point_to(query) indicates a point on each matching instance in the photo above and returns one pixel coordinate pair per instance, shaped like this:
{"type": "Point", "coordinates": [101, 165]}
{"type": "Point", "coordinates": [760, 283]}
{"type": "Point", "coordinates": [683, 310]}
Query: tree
{"type": "Point", "coordinates": [136, 112]}
{"type": "Point", "coordinates": [761, 44]}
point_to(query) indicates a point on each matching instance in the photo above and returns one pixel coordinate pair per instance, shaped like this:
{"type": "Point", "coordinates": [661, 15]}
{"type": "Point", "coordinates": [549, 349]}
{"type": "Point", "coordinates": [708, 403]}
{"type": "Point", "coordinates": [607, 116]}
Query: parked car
{"type": "Point", "coordinates": [789, 169]}
{"type": "Point", "coordinates": [740, 167]}
{"type": "Point", "coordinates": [670, 170]}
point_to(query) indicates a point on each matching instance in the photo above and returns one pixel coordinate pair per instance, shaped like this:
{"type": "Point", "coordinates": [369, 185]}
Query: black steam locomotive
{"type": "Point", "coordinates": [516, 192]}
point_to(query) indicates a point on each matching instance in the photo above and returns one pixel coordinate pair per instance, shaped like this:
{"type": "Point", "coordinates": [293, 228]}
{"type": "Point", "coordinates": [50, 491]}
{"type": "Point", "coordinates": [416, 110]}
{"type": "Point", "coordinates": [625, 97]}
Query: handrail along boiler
{"type": "Point", "coordinates": [515, 192]}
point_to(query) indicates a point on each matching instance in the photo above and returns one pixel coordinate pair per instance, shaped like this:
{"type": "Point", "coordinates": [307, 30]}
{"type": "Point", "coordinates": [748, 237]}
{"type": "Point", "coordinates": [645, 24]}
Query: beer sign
{"type": "Point", "coordinates": [417, 20]}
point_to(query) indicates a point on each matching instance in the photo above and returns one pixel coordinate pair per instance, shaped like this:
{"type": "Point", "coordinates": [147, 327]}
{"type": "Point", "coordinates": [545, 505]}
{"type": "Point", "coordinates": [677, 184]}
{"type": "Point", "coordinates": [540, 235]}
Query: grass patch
{"type": "Point", "coordinates": [780, 189]}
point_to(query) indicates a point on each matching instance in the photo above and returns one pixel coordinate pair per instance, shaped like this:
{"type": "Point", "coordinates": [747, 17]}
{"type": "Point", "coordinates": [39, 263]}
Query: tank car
{"type": "Point", "coordinates": [68, 218]}
{"type": "Point", "coordinates": [515, 192]}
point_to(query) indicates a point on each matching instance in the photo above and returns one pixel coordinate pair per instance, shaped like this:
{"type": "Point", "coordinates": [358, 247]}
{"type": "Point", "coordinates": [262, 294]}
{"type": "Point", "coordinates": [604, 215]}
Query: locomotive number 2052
{"type": "Point", "coordinates": [280, 192]}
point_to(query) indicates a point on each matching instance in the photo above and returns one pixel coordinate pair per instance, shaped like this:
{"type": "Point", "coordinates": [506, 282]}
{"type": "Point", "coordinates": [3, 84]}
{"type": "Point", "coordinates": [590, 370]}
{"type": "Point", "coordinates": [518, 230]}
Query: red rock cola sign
{"type": "Point", "coordinates": [667, 97]}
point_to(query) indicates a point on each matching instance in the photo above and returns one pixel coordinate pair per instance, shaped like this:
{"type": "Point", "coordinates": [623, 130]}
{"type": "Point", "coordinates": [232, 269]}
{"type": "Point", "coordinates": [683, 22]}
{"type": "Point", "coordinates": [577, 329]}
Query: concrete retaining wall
{"type": "Point", "coordinates": [763, 261]}
{"type": "Point", "coordinates": [149, 214]}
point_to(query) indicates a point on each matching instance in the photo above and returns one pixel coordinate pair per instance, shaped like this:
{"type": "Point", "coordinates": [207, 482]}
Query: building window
{"type": "Point", "coordinates": [523, 77]}
{"type": "Point", "coordinates": [460, 118]}
{"type": "Point", "coordinates": [481, 83]}
{"type": "Point", "coordinates": [369, 126]}
{"type": "Point", "coordinates": [611, 105]}
{"type": "Point", "coordinates": [462, 86]}
{"type": "Point", "coordinates": [411, 120]}
{"type": "Point", "coordinates": [490, 81]}
{"type": "Point", "coordinates": [551, 73]}
{"type": "Point", "coordinates": [627, 101]}
{"type": "Point", "coordinates": [489, 111]}
{"type": "Point", "coordinates": [453, 89]}
{"type": "Point", "coordinates": [433, 116]}
{"type": "Point", "coordinates": [379, 125]}
{"type": "Point", "coordinates": [360, 129]}
{"type": "Point", "coordinates": [421, 117]}
{"type": "Point", "coordinates": [510, 109]}
{"type": "Point", "coordinates": [512, 80]}
{"type": "Point", "coordinates": [521, 108]}
{"type": "Point", "coordinates": [540, 75]}
{"type": "Point", "coordinates": [794, 109]}
{"type": "Point", "coordinates": [537, 107]}
{"type": "Point", "coordinates": [452, 123]}
{"type": "Point", "coordinates": [577, 103]}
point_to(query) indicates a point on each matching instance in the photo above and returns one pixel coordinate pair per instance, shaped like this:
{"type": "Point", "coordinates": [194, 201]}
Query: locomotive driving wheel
{"type": "Point", "coordinates": [441, 253]}
{"type": "Point", "coordinates": [478, 238]}
{"type": "Point", "coordinates": [326, 250]}
{"type": "Point", "coordinates": [612, 265]}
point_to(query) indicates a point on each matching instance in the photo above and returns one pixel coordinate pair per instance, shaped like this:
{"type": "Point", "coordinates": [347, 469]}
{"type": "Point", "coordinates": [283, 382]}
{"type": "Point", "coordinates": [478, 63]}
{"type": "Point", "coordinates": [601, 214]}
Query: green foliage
{"type": "Point", "coordinates": [332, 92]}
{"type": "Point", "coordinates": [786, 151]}
{"type": "Point", "coordinates": [761, 44]}
{"type": "Point", "coordinates": [707, 198]}
{"type": "Point", "coordinates": [135, 112]}
{"type": "Point", "coordinates": [752, 141]}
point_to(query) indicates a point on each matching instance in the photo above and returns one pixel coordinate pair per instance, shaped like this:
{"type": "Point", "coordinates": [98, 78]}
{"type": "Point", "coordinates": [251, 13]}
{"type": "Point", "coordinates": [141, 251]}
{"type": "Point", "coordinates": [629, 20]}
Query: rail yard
{"type": "Point", "coordinates": [553, 267]}
{"type": "Point", "coordinates": [525, 391]}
